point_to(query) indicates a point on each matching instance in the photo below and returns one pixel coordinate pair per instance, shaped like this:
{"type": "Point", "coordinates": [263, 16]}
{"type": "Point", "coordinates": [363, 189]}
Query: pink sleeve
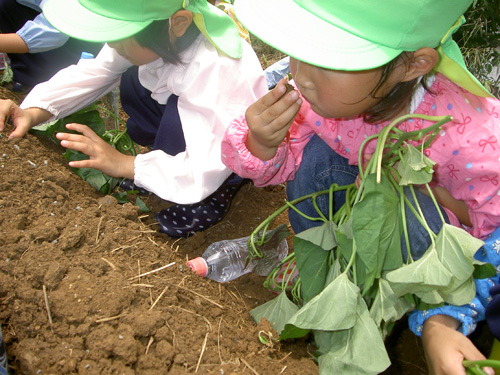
{"type": "Point", "coordinates": [467, 153]}
{"type": "Point", "coordinates": [279, 169]}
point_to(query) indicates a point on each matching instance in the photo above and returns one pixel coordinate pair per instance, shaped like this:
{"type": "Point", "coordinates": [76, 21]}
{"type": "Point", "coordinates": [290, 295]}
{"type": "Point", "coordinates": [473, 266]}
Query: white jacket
{"type": "Point", "coordinates": [212, 88]}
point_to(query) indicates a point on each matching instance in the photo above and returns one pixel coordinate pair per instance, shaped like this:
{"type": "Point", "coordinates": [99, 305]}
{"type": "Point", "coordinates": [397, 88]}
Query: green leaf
{"type": "Point", "coordinates": [422, 276]}
{"type": "Point", "coordinates": [89, 116]}
{"type": "Point", "coordinates": [456, 249]}
{"type": "Point", "coordinates": [142, 206]}
{"type": "Point", "coordinates": [101, 182]}
{"type": "Point", "coordinates": [323, 236]}
{"type": "Point", "coordinates": [377, 228]}
{"type": "Point", "coordinates": [277, 311]}
{"type": "Point", "coordinates": [292, 332]}
{"type": "Point", "coordinates": [429, 296]}
{"type": "Point", "coordinates": [333, 272]}
{"type": "Point", "coordinates": [427, 306]}
{"type": "Point", "coordinates": [345, 238]}
{"type": "Point", "coordinates": [121, 196]}
{"type": "Point", "coordinates": [414, 167]}
{"type": "Point", "coordinates": [461, 294]}
{"type": "Point", "coordinates": [387, 306]}
{"type": "Point", "coordinates": [312, 262]}
{"type": "Point", "coordinates": [7, 75]}
{"type": "Point", "coordinates": [484, 271]}
{"type": "Point", "coordinates": [357, 351]}
{"type": "Point", "coordinates": [320, 313]}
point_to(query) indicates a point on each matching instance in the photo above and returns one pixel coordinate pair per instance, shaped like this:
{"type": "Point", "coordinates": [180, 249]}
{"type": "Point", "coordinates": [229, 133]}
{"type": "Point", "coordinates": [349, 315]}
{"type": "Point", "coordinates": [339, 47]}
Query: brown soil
{"type": "Point", "coordinates": [72, 300]}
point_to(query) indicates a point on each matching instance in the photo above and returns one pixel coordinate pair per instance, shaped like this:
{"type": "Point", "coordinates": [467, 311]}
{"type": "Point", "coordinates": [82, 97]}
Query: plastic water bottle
{"type": "Point", "coordinates": [227, 260]}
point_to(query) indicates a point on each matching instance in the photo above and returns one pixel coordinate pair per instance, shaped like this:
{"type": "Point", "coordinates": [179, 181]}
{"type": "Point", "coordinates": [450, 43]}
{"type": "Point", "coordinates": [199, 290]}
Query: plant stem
{"type": "Point", "coordinates": [310, 218]}
{"type": "Point", "coordinates": [432, 235]}
{"type": "Point", "coordinates": [262, 227]}
{"type": "Point", "coordinates": [418, 134]}
{"type": "Point", "coordinates": [431, 194]}
{"type": "Point", "coordinates": [475, 367]}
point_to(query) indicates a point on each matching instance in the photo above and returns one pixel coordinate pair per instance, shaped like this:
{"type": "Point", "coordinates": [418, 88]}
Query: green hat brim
{"type": "Point", "coordinates": [314, 46]}
{"type": "Point", "coordinates": [73, 19]}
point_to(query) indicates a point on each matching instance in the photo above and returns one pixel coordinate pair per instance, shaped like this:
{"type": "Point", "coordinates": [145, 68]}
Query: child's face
{"type": "Point", "coordinates": [337, 93]}
{"type": "Point", "coordinates": [133, 51]}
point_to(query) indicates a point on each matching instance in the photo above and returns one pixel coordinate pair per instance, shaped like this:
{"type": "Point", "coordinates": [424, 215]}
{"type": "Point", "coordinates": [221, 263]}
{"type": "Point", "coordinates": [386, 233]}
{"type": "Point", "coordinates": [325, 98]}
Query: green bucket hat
{"type": "Point", "coordinates": [361, 34]}
{"type": "Point", "coordinates": [110, 20]}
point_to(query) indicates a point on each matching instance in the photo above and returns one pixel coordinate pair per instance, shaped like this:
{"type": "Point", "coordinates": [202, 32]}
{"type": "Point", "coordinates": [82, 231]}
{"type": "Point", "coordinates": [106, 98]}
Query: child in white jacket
{"type": "Point", "coordinates": [180, 85]}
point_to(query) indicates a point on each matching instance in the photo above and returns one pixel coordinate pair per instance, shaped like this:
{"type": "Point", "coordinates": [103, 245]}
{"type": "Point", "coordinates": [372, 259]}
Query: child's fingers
{"type": "Point", "coordinates": [282, 89]}
{"type": "Point", "coordinates": [83, 146]}
{"type": "Point", "coordinates": [84, 129]}
{"type": "Point", "coordinates": [77, 142]}
{"type": "Point", "coordinates": [85, 142]}
{"type": "Point", "coordinates": [77, 138]}
{"type": "Point", "coordinates": [278, 98]}
{"type": "Point", "coordinates": [6, 108]}
{"type": "Point", "coordinates": [88, 163]}
{"type": "Point", "coordinates": [21, 127]}
{"type": "Point", "coordinates": [285, 118]}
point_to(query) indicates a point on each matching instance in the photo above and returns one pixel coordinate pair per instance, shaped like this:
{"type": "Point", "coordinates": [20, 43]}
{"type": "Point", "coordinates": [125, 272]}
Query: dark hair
{"type": "Point", "coordinates": [399, 96]}
{"type": "Point", "coordinates": [155, 37]}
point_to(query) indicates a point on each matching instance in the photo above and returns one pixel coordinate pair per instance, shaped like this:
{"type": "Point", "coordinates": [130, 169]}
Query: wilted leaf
{"type": "Point", "coordinates": [322, 236]}
{"type": "Point", "coordinates": [277, 311]}
{"type": "Point", "coordinates": [387, 306]}
{"type": "Point", "coordinates": [377, 227]}
{"type": "Point", "coordinates": [312, 262]}
{"type": "Point", "coordinates": [454, 244]}
{"type": "Point", "coordinates": [484, 270]}
{"type": "Point", "coordinates": [332, 309]}
{"type": "Point", "coordinates": [414, 167]}
{"type": "Point", "coordinates": [423, 275]}
{"type": "Point", "coordinates": [142, 205]}
{"type": "Point", "coordinates": [356, 351]}
{"type": "Point", "coordinates": [461, 294]}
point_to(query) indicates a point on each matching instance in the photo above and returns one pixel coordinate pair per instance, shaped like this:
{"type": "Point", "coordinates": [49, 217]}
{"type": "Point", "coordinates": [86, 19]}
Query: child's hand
{"type": "Point", "coordinates": [446, 348]}
{"type": "Point", "coordinates": [102, 156]}
{"type": "Point", "coordinates": [21, 119]}
{"type": "Point", "coordinates": [269, 119]}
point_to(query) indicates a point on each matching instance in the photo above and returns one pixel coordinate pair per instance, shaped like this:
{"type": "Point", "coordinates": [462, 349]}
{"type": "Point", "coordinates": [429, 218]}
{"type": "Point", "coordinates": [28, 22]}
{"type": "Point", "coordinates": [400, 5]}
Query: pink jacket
{"type": "Point", "coordinates": [466, 151]}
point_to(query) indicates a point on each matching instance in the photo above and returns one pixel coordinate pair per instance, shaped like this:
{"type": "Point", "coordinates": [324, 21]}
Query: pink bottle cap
{"type": "Point", "coordinates": [198, 266]}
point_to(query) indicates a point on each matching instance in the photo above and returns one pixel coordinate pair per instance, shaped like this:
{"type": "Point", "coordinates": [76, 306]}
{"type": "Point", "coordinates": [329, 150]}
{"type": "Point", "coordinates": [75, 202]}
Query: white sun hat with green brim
{"type": "Point", "coordinates": [111, 20]}
{"type": "Point", "coordinates": [361, 34]}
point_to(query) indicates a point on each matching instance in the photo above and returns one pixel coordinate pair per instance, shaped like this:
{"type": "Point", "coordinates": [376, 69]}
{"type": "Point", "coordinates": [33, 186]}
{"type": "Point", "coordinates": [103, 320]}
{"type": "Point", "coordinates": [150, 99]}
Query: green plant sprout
{"type": "Point", "coordinates": [353, 282]}
{"type": "Point", "coordinates": [119, 139]}
{"type": "Point", "coordinates": [7, 74]}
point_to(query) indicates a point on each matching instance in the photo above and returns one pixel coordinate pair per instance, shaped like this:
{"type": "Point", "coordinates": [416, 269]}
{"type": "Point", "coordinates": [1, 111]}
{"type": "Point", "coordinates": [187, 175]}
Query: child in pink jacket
{"type": "Point", "coordinates": [356, 67]}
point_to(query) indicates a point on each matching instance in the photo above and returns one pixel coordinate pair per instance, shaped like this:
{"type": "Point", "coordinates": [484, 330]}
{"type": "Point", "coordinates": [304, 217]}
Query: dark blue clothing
{"type": "Point", "coordinates": [493, 312]}
{"type": "Point", "coordinates": [3, 356]}
{"type": "Point", "coordinates": [32, 68]}
{"type": "Point", "coordinates": [150, 123]}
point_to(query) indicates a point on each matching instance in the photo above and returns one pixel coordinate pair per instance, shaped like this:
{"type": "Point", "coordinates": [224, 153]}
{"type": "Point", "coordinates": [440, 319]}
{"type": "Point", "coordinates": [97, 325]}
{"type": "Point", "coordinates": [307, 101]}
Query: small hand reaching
{"type": "Point", "coordinates": [21, 119]}
{"type": "Point", "coordinates": [446, 348]}
{"type": "Point", "coordinates": [269, 118]}
{"type": "Point", "coordinates": [102, 156]}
